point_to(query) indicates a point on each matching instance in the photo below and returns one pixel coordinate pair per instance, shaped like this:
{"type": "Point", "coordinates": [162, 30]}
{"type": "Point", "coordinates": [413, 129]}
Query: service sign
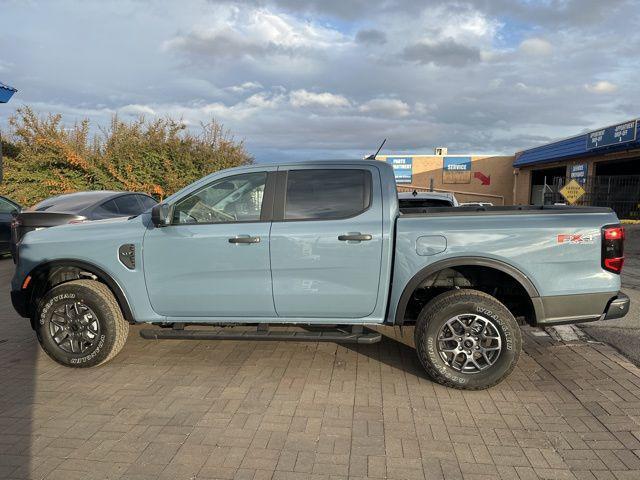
{"type": "Point", "coordinates": [579, 173]}
{"type": "Point", "coordinates": [613, 135]}
{"type": "Point", "coordinates": [456, 170]}
{"type": "Point", "coordinates": [402, 168]}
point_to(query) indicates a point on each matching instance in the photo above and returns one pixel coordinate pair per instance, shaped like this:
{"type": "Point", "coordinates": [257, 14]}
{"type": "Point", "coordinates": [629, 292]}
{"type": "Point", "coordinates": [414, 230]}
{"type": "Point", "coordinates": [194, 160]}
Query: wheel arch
{"type": "Point", "coordinates": [43, 270]}
{"type": "Point", "coordinates": [426, 272]}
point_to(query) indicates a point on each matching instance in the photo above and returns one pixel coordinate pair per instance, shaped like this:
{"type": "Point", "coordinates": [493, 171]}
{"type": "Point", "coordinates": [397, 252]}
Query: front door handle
{"type": "Point", "coordinates": [355, 237]}
{"type": "Point", "coordinates": [244, 239]}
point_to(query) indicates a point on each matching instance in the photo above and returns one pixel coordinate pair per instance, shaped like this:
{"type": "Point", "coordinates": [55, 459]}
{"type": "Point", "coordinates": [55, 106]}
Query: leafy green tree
{"type": "Point", "coordinates": [158, 157]}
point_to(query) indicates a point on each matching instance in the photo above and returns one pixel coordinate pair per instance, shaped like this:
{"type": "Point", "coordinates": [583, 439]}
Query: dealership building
{"type": "Point", "coordinates": [604, 162]}
{"type": "Point", "coordinates": [472, 178]}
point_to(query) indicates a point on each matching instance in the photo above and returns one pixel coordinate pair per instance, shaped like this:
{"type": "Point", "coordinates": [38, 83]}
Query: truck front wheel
{"type": "Point", "coordinates": [467, 339]}
{"type": "Point", "coordinates": [80, 324]}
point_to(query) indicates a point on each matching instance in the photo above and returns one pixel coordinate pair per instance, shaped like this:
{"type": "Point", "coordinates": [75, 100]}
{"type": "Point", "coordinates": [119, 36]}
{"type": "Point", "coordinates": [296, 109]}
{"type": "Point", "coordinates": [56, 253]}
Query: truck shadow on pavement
{"type": "Point", "coordinates": [395, 350]}
{"type": "Point", "coordinates": [18, 396]}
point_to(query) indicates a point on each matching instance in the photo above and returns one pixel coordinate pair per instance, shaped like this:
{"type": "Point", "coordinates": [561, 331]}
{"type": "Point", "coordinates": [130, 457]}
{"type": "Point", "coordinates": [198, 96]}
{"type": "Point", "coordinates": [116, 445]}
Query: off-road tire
{"type": "Point", "coordinates": [114, 329]}
{"type": "Point", "coordinates": [458, 302]}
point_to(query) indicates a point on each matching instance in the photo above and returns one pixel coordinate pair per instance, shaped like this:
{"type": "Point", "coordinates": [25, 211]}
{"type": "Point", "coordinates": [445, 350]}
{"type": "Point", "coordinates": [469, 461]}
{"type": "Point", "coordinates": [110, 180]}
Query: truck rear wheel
{"type": "Point", "coordinates": [80, 324]}
{"type": "Point", "coordinates": [467, 339]}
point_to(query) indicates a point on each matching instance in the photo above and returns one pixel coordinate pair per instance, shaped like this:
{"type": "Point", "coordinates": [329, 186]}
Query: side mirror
{"type": "Point", "coordinates": [160, 215]}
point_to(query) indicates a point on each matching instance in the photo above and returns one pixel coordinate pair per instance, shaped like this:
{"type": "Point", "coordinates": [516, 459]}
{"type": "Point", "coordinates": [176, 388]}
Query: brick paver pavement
{"type": "Point", "coordinates": [260, 410]}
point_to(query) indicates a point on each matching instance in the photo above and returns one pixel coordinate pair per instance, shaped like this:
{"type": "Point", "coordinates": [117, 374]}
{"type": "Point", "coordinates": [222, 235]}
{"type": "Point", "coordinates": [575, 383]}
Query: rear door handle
{"type": "Point", "coordinates": [355, 237]}
{"type": "Point", "coordinates": [244, 239]}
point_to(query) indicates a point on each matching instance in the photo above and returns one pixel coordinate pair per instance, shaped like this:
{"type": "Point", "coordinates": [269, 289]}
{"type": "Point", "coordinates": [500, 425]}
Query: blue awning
{"type": "Point", "coordinates": [6, 92]}
{"type": "Point", "coordinates": [614, 138]}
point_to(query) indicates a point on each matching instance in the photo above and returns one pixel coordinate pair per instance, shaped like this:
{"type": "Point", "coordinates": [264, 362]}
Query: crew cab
{"type": "Point", "coordinates": [321, 251]}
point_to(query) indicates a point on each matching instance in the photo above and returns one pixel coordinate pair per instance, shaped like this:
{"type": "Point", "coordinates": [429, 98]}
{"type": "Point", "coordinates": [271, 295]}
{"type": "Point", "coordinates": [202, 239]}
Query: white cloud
{"type": "Point", "coordinates": [464, 26]}
{"type": "Point", "coordinates": [602, 86]}
{"type": "Point", "coordinates": [304, 98]}
{"type": "Point", "coordinates": [536, 47]}
{"type": "Point", "coordinates": [240, 33]}
{"type": "Point", "coordinates": [136, 110]}
{"type": "Point", "coordinates": [264, 100]}
{"type": "Point", "coordinates": [388, 107]}
{"type": "Point", "coordinates": [244, 87]}
{"type": "Point", "coordinates": [5, 66]}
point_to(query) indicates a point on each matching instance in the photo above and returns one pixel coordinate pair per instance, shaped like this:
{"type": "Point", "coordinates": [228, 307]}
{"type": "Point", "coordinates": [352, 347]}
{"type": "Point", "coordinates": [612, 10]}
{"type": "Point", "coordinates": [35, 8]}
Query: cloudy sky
{"type": "Point", "coordinates": [332, 78]}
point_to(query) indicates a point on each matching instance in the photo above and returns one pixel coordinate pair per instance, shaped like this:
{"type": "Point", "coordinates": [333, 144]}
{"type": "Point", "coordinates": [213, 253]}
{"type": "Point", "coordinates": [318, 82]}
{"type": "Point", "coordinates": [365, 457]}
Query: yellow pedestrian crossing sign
{"type": "Point", "coordinates": [572, 191]}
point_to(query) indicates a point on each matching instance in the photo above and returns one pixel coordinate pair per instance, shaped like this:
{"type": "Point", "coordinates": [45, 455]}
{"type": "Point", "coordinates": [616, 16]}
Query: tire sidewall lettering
{"type": "Point", "coordinates": [92, 355]}
{"type": "Point", "coordinates": [47, 306]}
{"type": "Point", "coordinates": [446, 372]}
{"type": "Point", "coordinates": [504, 329]}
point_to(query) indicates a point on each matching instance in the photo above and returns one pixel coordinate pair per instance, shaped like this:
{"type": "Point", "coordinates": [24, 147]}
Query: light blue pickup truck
{"type": "Point", "coordinates": [321, 252]}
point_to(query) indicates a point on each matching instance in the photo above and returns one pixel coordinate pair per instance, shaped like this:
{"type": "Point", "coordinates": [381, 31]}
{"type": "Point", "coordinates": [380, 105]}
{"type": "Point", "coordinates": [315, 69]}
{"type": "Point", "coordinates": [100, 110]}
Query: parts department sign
{"type": "Point", "coordinates": [402, 168]}
{"type": "Point", "coordinates": [456, 170]}
{"type": "Point", "coordinates": [613, 135]}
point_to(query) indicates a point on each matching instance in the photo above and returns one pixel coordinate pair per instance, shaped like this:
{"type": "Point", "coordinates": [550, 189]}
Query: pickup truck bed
{"type": "Point", "coordinates": [562, 288]}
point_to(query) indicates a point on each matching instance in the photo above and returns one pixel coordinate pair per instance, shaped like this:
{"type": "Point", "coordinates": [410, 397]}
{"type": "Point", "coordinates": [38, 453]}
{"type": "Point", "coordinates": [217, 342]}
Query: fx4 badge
{"type": "Point", "coordinates": [575, 238]}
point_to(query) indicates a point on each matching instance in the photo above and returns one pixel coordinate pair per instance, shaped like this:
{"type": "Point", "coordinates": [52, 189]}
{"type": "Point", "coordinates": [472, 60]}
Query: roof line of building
{"type": "Point", "coordinates": [7, 87]}
{"type": "Point", "coordinates": [563, 139]}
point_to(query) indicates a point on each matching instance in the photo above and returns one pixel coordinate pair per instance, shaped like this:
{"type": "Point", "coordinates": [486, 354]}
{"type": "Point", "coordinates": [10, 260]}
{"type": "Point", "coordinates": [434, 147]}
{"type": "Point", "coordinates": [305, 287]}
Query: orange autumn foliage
{"type": "Point", "coordinates": [48, 156]}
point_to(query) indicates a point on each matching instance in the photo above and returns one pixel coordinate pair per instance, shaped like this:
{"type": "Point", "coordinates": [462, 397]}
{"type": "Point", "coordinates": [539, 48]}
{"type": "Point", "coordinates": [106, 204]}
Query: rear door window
{"type": "Point", "coordinates": [108, 209]}
{"type": "Point", "coordinates": [147, 202]}
{"type": "Point", "coordinates": [327, 194]}
{"type": "Point", "coordinates": [128, 205]}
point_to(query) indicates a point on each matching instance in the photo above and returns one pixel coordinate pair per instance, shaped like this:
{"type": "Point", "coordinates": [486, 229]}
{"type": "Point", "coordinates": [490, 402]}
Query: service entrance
{"type": "Point", "coordinates": [546, 184]}
{"type": "Point", "coordinates": [616, 184]}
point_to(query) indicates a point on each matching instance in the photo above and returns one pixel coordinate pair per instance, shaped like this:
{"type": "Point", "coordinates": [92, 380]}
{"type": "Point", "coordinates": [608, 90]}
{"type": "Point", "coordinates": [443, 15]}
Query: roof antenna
{"type": "Point", "coordinates": [373, 157]}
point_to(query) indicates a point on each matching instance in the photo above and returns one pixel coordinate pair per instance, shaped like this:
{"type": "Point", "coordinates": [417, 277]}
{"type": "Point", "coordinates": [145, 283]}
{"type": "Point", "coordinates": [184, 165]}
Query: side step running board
{"type": "Point", "coordinates": [357, 335]}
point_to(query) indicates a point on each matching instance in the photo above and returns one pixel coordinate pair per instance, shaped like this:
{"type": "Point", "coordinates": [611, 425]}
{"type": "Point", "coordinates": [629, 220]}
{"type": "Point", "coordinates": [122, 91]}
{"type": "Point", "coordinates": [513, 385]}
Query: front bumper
{"type": "Point", "coordinates": [19, 299]}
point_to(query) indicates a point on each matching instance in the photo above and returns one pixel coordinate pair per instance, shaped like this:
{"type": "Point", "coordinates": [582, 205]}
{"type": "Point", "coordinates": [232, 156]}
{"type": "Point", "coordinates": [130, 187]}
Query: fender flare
{"type": "Point", "coordinates": [429, 270]}
{"type": "Point", "coordinates": [115, 288]}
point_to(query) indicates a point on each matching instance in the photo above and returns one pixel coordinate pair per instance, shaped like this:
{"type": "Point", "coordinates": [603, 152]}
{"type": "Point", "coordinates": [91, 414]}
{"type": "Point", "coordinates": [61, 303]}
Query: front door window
{"type": "Point", "coordinates": [228, 200]}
